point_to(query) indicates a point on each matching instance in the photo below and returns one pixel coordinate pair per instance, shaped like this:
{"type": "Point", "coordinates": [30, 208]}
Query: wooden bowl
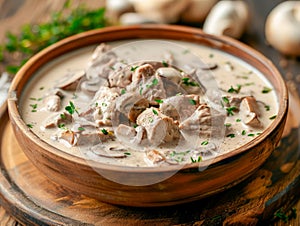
{"type": "Point", "coordinates": [185, 185]}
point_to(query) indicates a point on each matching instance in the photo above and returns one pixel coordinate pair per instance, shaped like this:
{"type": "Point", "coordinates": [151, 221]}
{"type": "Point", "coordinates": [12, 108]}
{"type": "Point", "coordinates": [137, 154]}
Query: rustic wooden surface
{"type": "Point", "coordinates": [274, 186]}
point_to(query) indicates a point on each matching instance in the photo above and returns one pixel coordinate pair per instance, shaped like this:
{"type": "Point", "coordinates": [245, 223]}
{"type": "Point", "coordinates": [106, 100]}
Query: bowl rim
{"type": "Point", "coordinates": [69, 44]}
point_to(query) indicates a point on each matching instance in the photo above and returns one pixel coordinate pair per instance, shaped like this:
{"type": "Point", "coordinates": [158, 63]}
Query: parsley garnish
{"type": "Point", "coordinates": [225, 100]}
{"type": "Point", "coordinates": [81, 129]}
{"type": "Point", "coordinates": [244, 132]}
{"type": "Point", "coordinates": [127, 153]}
{"type": "Point", "coordinates": [235, 90]}
{"type": "Point", "coordinates": [159, 101]}
{"type": "Point", "coordinates": [196, 160]}
{"type": "Point", "coordinates": [230, 110]}
{"type": "Point", "coordinates": [123, 91]}
{"type": "Point", "coordinates": [34, 107]}
{"type": "Point", "coordinates": [104, 131]}
{"type": "Point", "coordinates": [133, 68]}
{"type": "Point", "coordinates": [30, 126]}
{"type": "Point", "coordinates": [71, 108]}
{"type": "Point", "coordinates": [204, 142]}
{"type": "Point", "coordinates": [266, 90]}
{"type": "Point", "coordinates": [154, 112]}
{"type": "Point", "coordinates": [238, 120]}
{"type": "Point", "coordinates": [165, 64]}
{"type": "Point", "coordinates": [192, 102]}
{"type": "Point", "coordinates": [251, 135]}
{"type": "Point", "coordinates": [231, 135]}
{"type": "Point", "coordinates": [186, 81]}
{"type": "Point", "coordinates": [267, 107]}
{"type": "Point", "coordinates": [227, 124]}
{"type": "Point", "coordinates": [273, 117]}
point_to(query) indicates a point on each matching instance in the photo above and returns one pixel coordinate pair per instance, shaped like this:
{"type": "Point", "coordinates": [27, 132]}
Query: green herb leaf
{"type": "Point", "coordinates": [159, 101]}
{"type": "Point", "coordinates": [165, 64]}
{"type": "Point", "coordinates": [244, 132]}
{"type": "Point", "coordinates": [231, 135]}
{"type": "Point", "coordinates": [133, 68]}
{"type": "Point", "coordinates": [154, 112]}
{"type": "Point", "coordinates": [192, 102]}
{"type": "Point", "coordinates": [104, 131]}
{"type": "Point", "coordinates": [225, 100]}
{"type": "Point", "coordinates": [30, 126]}
{"type": "Point", "coordinates": [230, 110]}
{"type": "Point", "coordinates": [273, 117]}
{"type": "Point", "coordinates": [266, 90]}
{"type": "Point", "coordinates": [81, 129]}
{"type": "Point", "coordinates": [234, 90]}
{"type": "Point", "coordinates": [204, 142]}
{"type": "Point", "coordinates": [186, 81]}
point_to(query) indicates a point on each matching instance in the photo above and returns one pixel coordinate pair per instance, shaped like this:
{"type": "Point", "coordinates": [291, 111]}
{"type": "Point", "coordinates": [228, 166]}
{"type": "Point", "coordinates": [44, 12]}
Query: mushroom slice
{"type": "Point", "coordinates": [155, 156]}
{"type": "Point", "coordinates": [52, 103]}
{"type": "Point", "coordinates": [249, 112]}
{"type": "Point", "coordinates": [131, 105]}
{"type": "Point", "coordinates": [71, 80]}
{"type": "Point", "coordinates": [101, 151]}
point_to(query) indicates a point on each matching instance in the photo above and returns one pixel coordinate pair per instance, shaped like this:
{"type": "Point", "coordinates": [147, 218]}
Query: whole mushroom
{"type": "Point", "coordinates": [282, 28]}
{"type": "Point", "coordinates": [160, 11]}
{"type": "Point", "coordinates": [227, 18]}
{"type": "Point", "coordinates": [197, 10]}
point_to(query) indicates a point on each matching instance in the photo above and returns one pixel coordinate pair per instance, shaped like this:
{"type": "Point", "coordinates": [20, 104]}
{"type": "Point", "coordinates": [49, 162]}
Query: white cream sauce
{"type": "Point", "coordinates": [231, 74]}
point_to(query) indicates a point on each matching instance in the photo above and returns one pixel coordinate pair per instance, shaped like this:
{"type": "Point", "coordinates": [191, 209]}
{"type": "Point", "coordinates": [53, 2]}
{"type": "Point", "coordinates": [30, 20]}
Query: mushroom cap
{"type": "Point", "coordinates": [161, 11]}
{"type": "Point", "coordinates": [227, 18]}
{"type": "Point", "coordinates": [282, 28]}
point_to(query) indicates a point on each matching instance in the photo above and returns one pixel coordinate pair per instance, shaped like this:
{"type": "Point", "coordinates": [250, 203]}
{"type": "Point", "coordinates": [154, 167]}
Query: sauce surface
{"type": "Point", "coordinates": [241, 104]}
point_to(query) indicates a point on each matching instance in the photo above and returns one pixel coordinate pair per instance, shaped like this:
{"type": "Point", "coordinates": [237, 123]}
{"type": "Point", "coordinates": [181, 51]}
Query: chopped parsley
{"type": "Point", "coordinates": [165, 64]}
{"type": "Point", "coordinates": [244, 132]}
{"type": "Point", "coordinates": [251, 135]}
{"type": "Point", "coordinates": [225, 100]}
{"type": "Point", "coordinates": [204, 142]}
{"type": "Point", "coordinates": [154, 112]}
{"type": "Point", "coordinates": [186, 81]}
{"type": "Point", "coordinates": [227, 124]}
{"type": "Point", "coordinates": [127, 153]}
{"type": "Point", "coordinates": [273, 117]}
{"type": "Point", "coordinates": [62, 126]}
{"type": "Point", "coordinates": [81, 129]}
{"type": "Point", "coordinates": [230, 110]}
{"type": "Point", "coordinates": [234, 90]}
{"type": "Point", "coordinates": [231, 135]}
{"type": "Point", "coordinates": [42, 88]}
{"type": "Point", "coordinates": [133, 68]}
{"type": "Point", "coordinates": [267, 107]}
{"type": "Point", "coordinates": [34, 107]}
{"type": "Point", "coordinates": [63, 116]}
{"type": "Point", "coordinates": [238, 120]}
{"type": "Point", "coordinates": [30, 126]}
{"type": "Point", "coordinates": [266, 90]}
{"type": "Point", "coordinates": [192, 102]}
{"type": "Point", "coordinates": [196, 160]}
{"type": "Point", "coordinates": [71, 108]}
{"type": "Point", "coordinates": [104, 131]}
{"type": "Point", "coordinates": [35, 99]}
{"type": "Point", "coordinates": [123, 91]}
{"type": "Point", "coordinates": [159, 101]}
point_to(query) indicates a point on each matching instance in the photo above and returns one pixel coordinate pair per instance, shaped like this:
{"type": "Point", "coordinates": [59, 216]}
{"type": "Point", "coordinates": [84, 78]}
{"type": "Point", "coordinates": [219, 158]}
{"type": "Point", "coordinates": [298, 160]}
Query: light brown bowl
{"type": "Point", "coordinates": [187, 184]}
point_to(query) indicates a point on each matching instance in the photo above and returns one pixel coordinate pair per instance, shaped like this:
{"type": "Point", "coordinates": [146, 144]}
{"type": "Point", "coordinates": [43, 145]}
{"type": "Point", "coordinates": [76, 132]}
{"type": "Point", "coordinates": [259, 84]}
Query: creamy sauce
{"type": "Point", "coordinates": [233, 78]}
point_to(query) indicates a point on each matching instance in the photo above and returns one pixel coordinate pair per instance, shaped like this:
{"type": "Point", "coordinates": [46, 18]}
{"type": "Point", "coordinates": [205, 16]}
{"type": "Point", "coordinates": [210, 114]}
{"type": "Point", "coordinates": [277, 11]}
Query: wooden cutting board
{"type": "Point", "coordinates": [31, 198]}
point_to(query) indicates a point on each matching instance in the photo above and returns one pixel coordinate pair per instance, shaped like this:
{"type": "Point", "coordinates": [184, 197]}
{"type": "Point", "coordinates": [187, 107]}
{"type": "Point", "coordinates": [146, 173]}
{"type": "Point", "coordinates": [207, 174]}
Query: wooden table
{"type": "Point", "coordinates": [15, 13]}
